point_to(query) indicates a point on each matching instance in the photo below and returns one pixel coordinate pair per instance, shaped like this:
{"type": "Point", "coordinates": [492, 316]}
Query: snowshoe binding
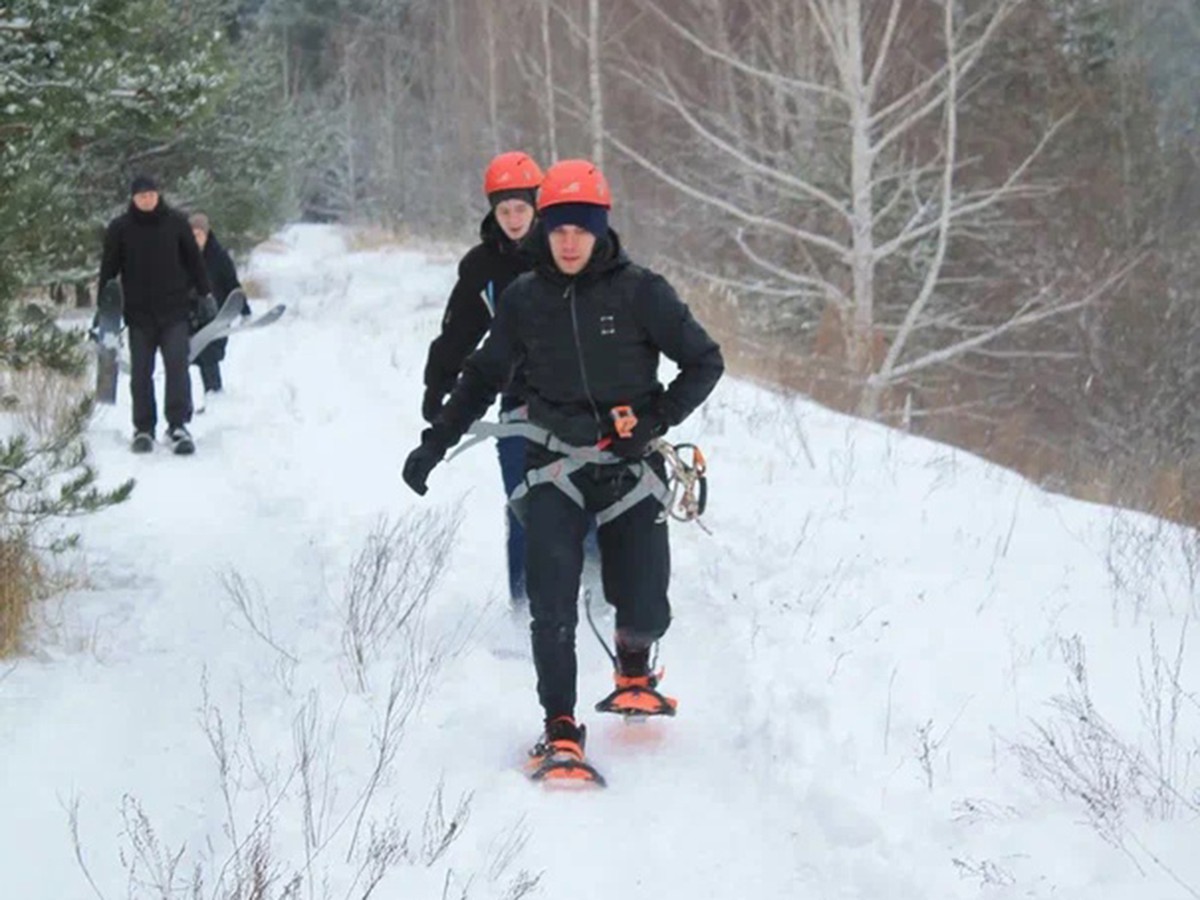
{"type": "Point", "coordinates": [636, 697]}
{"type": "Point", "coordinates": [557, 758]}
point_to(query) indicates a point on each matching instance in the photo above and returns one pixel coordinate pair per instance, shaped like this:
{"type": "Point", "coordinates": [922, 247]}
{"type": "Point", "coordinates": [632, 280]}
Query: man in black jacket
{"type": "Point", "coordinates": [222, 275]}
{"type": "Point", "coordinates": [510, 183]}
{"type": "Point", "coordinates": [151, 248]}
{"type": "Point", "coordinates": [586, 330]}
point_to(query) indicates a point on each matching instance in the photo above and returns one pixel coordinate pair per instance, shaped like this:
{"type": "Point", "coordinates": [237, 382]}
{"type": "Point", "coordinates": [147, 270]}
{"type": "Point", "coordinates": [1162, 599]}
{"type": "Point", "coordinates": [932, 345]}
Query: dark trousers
{"type": "Point", "coordinates": [511, 451]}
{"type": "Point", "coordinates": [209, 364]}
{"type": "Point", "coordinates": [210, 375]}
{"type": "Point", "coordinates": [145, 341]}
{"type": "Point", "coordinates": [635, 565]}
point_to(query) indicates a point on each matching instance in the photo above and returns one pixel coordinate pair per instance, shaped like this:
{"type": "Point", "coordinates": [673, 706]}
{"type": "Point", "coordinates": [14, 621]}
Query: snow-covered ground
{"type": "Point", "coordinates": [884, 654]}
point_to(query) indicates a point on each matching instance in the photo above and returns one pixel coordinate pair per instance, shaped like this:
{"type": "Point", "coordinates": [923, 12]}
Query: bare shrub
{"type": "Point", "coordinates": [344, 837]}
{"type": "Point", "coordinates": [42, 400]}
{"type": "Point", "coordinates": [44, 406]}
{"type": "Point", "coordinates": [255, 612]}
{"type": "Point", "coordinates": [1132, 557]}
{"type": "Point", "coordinates": [348, 848]}
{"type": "Point", "coordinates": [1162, 698]}
{"type": "Point", "coordinates": [22, 585]}
{"type": "Point", "coordinates": [1189, 552]}
{"type": "Point", "coordinates": [928, 746]}
{"type": "Point", "coordinates": [986, 872]}
{"type": "Point", "coordinates": [1081, 756]}
{"type": "Point", "coordinates": [1143, 556]}
{"type": "Point", "coordinates": [390, 583]}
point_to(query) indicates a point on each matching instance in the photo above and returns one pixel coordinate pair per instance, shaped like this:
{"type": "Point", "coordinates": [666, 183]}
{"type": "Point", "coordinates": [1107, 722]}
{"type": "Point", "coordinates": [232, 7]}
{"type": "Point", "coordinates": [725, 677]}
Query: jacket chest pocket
{"type": "Point", "coordinates": [609, 323]}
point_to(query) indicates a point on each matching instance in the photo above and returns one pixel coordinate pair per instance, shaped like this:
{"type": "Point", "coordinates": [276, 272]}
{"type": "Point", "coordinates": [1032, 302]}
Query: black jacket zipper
{"type": "Point", "coordinates": [587, 389]}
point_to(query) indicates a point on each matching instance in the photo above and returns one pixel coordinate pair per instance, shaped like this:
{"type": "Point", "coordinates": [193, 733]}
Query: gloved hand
{"type": "Point", "coordinates": [421, 462]}
{"type": "Point", "coordinates": [207, 308]}
{"type": "Point", "coordinates": [649, 426]}
{"type": "Point", "coordinates": [432, 404]}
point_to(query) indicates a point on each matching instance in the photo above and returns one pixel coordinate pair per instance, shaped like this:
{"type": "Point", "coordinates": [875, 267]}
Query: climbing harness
{"type": "Point", "coordinates": [683, 496]}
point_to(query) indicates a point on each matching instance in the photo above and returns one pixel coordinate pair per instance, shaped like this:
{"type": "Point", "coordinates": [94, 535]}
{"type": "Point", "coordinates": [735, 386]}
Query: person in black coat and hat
{"type": "Point", "coordinates": [222, 275]}
{"type": "Point", "coordinates": [163, 282]}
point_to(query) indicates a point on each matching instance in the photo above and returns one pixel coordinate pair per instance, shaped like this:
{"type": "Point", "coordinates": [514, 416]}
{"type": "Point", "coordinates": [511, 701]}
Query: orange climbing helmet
{"type": "Point", "coordinates": [512, 171]}
{"type": "Point", "coordinates": [574, 181]}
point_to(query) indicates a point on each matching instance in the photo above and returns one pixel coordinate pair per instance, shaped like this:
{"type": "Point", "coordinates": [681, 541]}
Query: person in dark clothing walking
{"type": "Point", "coordinates": [222, 275]}
{"type": "Point", "coordinates": [163, 279]}
{"type": "Point", "coordinates": [586, 329]}
{"type": "Point", "coordinates": [510, 183]}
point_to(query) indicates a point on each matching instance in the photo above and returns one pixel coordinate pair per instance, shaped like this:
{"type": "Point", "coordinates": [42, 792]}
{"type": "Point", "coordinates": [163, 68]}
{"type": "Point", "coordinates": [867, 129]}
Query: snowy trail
{"type": "Point", "coordinates": [855, 645]}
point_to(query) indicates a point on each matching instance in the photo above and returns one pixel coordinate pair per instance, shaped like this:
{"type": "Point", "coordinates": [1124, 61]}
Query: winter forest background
{"type": "Point", "coordinates": [974, 219]}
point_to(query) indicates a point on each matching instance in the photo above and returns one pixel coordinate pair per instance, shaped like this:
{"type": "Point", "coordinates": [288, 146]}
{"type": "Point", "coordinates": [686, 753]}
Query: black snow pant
{"type": "Point", "coordinates": [145, 341]}
{"type": "Point", "coordinates": [209, 364]}
{"type": "Point", "coordinates": [210, 376]}
{"type": "Point", "coordinates": [635, 565]}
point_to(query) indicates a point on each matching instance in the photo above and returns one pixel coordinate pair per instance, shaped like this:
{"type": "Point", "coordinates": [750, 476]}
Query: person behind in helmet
{"type": "Point", "coordinates": [587, 328]}
{"type": "Point", "coordinates": [510, 183]}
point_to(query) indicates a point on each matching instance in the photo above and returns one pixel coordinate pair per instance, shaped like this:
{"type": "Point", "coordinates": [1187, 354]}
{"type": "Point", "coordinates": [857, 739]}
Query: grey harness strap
{"type": "Point", "coordinates": [558, 472]}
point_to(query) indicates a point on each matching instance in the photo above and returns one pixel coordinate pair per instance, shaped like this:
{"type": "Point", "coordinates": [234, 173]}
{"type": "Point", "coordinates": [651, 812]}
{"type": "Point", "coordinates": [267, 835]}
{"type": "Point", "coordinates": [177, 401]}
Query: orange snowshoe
{"type": "Point", "coordinates": [636, 697]}
{"type": "Point", "coordinates": [557, 758]}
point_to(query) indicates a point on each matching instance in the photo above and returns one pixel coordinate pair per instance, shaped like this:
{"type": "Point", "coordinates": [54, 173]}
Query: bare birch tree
{"type": "Point", "coordinates": [882, 193]}
{"type": "Point", "coordinates": [548, 78]}
{"type": "Point", "coordinates": [583, 103]}
{"type": "Point", "coordinates": [493, 75]}
{"type": "Point", "coordinates": [595, 82]}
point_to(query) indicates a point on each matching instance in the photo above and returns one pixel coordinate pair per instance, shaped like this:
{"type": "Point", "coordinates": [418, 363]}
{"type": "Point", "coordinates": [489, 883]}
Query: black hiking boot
{"type": "Point", "coordinates": [181, 442]}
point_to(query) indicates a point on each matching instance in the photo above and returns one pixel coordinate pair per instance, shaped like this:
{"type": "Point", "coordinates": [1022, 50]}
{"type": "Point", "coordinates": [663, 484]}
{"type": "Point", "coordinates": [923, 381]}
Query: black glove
{"type": "Point", "coordinates": [422, 461]}
{"type": "Point", "coordinates": [431, 405]}
{"type": "Point", "coordinates": [207, 308]}
{"type": "Point", "coordinates": [649, 426]}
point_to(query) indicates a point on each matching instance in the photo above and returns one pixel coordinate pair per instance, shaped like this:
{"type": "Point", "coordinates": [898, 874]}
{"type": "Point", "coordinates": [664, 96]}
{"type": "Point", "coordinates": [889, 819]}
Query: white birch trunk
{"type": "Point", "coordinates": [492, 77]}
{"type": "Point", "coordinates": [860, 324]}
{"type": "Point", "coordinates": [548, 82]}
{"type": "Point", "coordinates": [596, 99]}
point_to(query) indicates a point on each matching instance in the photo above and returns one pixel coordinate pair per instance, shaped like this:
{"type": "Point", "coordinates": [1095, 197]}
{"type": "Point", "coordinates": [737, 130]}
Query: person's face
{"type": "Point", "coordinates": [146, 201]}
{"type": "Point", "coordinates": [201, 237]}
{"type": "Point", "coordinates": [515, 217]}
{"type": "Point", "coordinates": [571, 247]}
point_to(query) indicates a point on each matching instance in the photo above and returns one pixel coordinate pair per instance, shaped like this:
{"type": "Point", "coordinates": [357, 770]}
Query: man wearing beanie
{"type": "Point", "coordinates": [150, 247]}
{"type": "Point", "coordinates": [510, 183]}
{"type": "Point", "coordinates": [586, 330]}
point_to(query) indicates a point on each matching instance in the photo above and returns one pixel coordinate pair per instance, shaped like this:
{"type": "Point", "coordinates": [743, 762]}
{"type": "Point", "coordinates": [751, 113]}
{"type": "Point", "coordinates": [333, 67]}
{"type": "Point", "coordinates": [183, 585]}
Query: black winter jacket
{"type": "Point", "coordinates": [585, 344]}
{"type": "Point", "coordinates": [483, 274]}
{"type": "Point", "coordinates": [156, 256]}
{"type": "Point", "coordinates": [222, 274]}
